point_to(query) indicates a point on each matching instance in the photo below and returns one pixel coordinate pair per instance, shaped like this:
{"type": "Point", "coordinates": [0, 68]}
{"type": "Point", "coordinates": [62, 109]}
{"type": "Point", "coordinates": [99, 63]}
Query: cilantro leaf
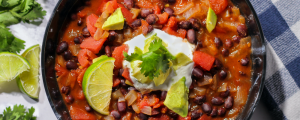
{"type": "Point", "coordinates": [155, 61]}
{"type": "Point", "coordinates": [8, 42]}
{"type": "Point", "coordinates": [18, 113]}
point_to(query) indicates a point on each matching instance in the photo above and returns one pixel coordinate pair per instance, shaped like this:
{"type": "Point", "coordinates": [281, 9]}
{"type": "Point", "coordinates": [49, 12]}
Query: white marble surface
{"type": "Point", "coordinates": [33, 34]}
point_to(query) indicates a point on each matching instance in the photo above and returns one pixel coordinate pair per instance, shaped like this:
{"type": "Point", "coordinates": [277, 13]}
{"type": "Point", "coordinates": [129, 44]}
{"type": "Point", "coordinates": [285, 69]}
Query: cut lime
{"type": "Point", "coordinates": [28, 81]}
{"type": "Point", "coordinates": [11, 65]}
{"type": "Point", "coordinates": [97, 84]}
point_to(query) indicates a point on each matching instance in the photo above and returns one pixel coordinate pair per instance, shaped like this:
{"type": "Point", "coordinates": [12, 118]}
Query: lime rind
{"type": "Point", "coordinates": [11, 65]}
{"type": "Point", "coordinates": [28, 81]}
{"type": "Point", "coordinates": [95, 90]}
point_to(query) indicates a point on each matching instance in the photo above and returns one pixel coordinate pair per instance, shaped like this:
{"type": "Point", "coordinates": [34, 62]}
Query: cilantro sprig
{"type": "Point", "coordinates": [18, 113]}
{"type": "Point", "coordinates": [154, 61]}
{"type": "Point", "coordinates": [13, 12]}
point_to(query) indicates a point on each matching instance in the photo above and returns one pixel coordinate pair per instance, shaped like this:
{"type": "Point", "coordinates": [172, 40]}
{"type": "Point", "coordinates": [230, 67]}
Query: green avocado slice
{"type": "Point", "coordinates": [177, 98]}
{"type": "Point", "coordinates": [211, 20]}
{"type": "Point", "coordinates": [114, 21]}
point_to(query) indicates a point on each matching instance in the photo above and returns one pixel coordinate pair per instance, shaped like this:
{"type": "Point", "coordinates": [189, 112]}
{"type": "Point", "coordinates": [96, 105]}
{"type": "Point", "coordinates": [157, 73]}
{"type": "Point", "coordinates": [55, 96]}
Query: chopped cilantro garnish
{"type": "Point", "coordinates": [18, 113]}
{"type": "Point", "coordinates": [155, 60]}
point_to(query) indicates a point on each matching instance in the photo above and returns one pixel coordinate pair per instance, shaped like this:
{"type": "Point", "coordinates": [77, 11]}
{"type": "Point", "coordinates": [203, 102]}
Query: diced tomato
{"type": "Point", "coordinates": [80, 94]}
{"type": "Point", "coordinates": [163, 18]}
{"type": "Point", "coordinates": [116, 82]}
{"type": "Point", "coordinates": [101, 6]}
{"type": "Point", "coordinates": [92, 44]}
{"type": "Point", "coordinates": [111, 6]}
{"type": "Point", "coordinates": [181, 33]}
{"type": "Point", "coordinates": [80, 75]}
{"type": "Point", "coordinates": [169, 30]}
{"type": "Point", "coordinates": [126, 75]}
{"type": "Point", "coordinates": [160, 103]}
{"type": "Point", "coordinates": [144, 102]}
{"type": "Point", "coordinates": [157, 9]}
{"type": "Point", "coordinates": [128, 116]}
{"type": "Point", "coordinates": [90, 23]}
{"type": "Point", "coordinates": [144, 4]}
{"type": "Point", "coordinates": [85, 57]}
{"type": "Point", "coordinates": [118, 55]}
{"type": "Point", "coordinates": [184, 118]}
{"type": "Point", "coordinates": [127, 14]}
{"type": "Point", "coordinates": [80, 114]}
{"type": "Point", "coordinates": [164, 117]}
{"type": "Point", "coordinates": [219, 30]}
{"type": "Point", "coordinates": [172, 23]}
{"type": "Point", "coordinates": [205, 60]}
{"type": "Point", "coordinates": [218, 5]}
{"type": "Point", "coordinates": [204, 117]}
{"type": "Point", "coordinates": [144, 27]}
{"type": "Point", "coordinates": [60, 70]}
{"type": "Point", "coordinates": [82, 13]}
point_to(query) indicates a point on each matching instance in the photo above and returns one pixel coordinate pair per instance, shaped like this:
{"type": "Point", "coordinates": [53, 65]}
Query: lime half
{"type": "Point", "coordinates": [28, 81]}
{"type": "Point", "coordinates": [11, 65]}
{"type": "Point", "coordinates": [97, 84]}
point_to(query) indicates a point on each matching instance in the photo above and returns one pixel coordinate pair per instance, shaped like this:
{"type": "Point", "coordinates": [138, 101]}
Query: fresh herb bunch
{"type": "Point", "coordinates": [13, 12]}
{"type": "Point", "coordinates": [155, 60]}
{"type": "Point", "coordinates": [18, 113]}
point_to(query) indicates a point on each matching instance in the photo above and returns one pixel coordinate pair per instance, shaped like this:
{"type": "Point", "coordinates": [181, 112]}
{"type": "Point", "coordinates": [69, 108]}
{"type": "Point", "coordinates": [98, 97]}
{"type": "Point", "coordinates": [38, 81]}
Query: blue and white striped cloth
{"type": "Point", "coordinates": [280, 21]}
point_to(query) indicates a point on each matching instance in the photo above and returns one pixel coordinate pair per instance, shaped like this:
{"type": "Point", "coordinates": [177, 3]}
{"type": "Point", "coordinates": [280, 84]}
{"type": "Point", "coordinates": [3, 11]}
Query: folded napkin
{"type": "Point", "coordinates": [280, 21]}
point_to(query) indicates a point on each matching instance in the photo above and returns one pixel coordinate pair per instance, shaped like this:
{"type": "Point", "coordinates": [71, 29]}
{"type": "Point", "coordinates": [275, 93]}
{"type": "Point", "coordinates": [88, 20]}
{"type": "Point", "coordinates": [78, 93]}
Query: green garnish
{"type": "Point", "coordinates": [13, 12]}
{"type": "Point", "coordinates": [155, 60]}
{"type": "Point", "coordinates": [18, 113]}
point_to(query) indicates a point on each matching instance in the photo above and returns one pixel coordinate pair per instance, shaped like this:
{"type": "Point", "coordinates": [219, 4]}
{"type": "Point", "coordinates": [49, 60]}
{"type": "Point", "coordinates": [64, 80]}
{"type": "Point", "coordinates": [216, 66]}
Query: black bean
{"type": "Point", "coordinates": [221, 111]}
{"type": "Point", "coordinates": [200, 99]}
{"type": "Point", "coordinates": [69, 99]}
{"type": "Point", "coordinates": [67, 55]}
{"type": "Point", "coordinates": [71, 65]}
{"type": "Point", "coordinates": [123, 84]}
{"type": "Point", "coordinates": [170, 1]}
{"type": "Point", "coordinates": [228, 102]}
{"type": "Point", "coordinates": [73, 16]}
{"type": "Point", "coordinates": [170, 11]}
{"type": "Point", "coordinates": [136, 23]}
{"type": "Point", "coordinates": [107, 51]}
{"type": "Point", "coordinates": [152, 19]}
{"type": "Point", "coordinates": [195, 23]}
{"type": "Point", "coordinates": [123, 91]}
{"type": "Point", "coordinates": [199, 45]}
{"type": "Point", "coordinates": [88, 108]}
{"type": "Point", "coordinates": [78, 40]}
{"type": "Point", "coordinates": [206, 107]}
{"type": "Point", "coordinates": [79, 22]}
{"type": "Point", "coordinates": [115, 114]}
{"type": "Point", "coordinates": [112, 35]}
{"type": "Point", "coordinates": [184, 25]}
{"type": "Point", "coordinates": [218, 64]}
{"type": "Point", "coordinates": [63, 46]}
{"type": "Point", "coordinates": [214, 112]}
{"type": "Point", "coordinates": [172, 114]}
{"type": "Point", "coordinates": [191, 36]}
{"type": "Point", "coordinates": [163, 95]}
{"type": "Point", "coordinates": [236, 39]}
{"type": "Point", "coordinates": [228, 43]}
{"type": "Point", "coordinates": [196, 114]}
{"type": "Point", "coordinates": [75, 59]}
{"type": "Point", "coordinates": [86, 32]}
{"type": "Point", "coordinates": [155, 111]}
{"type": "Point", "coordinates": [217, 101]}
{"type": "Point", "coordinates": [65, 90]}
{"type": "Point", "coordinates": [218, 42]}
{"type": "Point", "coordinates": [129, 3]}
{"type": "Point", "coordinates": [122, 106]}
{"type": "Point", "coordinates": [223, 74]}
{"type": "Point", "coordinates": [150, 28]}
{"type": "Point", "coordinates": [244, 61]}
{"type": "Point", "coordinates": [225, 52]}
{"type": "Point", "coordinates": [143, 116]}
{"type": "Point", "coordinates": [145, 12]}
{"type": "Point", "coordinates": [132, 88]}
{"type": "Point", "coordinates": [121, 72]}
{"type": "Point", "coordinates": [225, 93]}
{"type": "Point", "coordinates": [197, 72]}
{"type": "Point", "coordinates": [242, 30]}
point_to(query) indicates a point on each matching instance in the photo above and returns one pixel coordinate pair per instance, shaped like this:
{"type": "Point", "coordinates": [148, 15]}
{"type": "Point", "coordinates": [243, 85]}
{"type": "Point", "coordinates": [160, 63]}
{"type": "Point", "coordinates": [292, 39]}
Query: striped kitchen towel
{"type": "Point", "coordinates": [280, 21]}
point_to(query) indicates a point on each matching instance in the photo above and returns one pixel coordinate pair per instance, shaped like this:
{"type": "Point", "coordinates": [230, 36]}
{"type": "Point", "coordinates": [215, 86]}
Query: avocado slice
{"type": "Point", "coordinates": [211, 20]}
{"type": "Point", "coordinates": [177, 98]}
{"type": "Point", "coordinates": [136, 72]}
{"type": "Point", "coordinates": [114, 21]}
{"type": "Point", "coordinates": [149, 40]}
{"type": "Point", "coordinates": [161, 78]}
{"type": "Point", "coordinates": [181, 60]}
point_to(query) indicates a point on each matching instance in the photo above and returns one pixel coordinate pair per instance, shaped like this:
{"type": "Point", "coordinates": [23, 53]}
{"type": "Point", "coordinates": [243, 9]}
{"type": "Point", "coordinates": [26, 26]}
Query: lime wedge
{"type": "Point", "coordinates": [11, 65]}
{"type": "Point", "coordinates": [97, 84]}
{"type": "Point", "coordinates": [28, 81]}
